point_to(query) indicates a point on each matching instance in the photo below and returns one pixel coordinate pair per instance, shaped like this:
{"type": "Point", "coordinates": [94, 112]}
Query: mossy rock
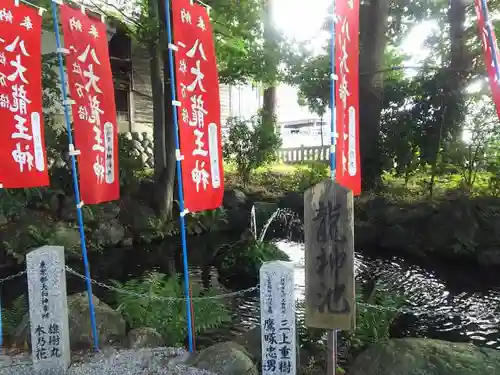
{"type": "Point", "coordinates": [226, 358]}
{"type": "Point", "coordinates": [426, 357]}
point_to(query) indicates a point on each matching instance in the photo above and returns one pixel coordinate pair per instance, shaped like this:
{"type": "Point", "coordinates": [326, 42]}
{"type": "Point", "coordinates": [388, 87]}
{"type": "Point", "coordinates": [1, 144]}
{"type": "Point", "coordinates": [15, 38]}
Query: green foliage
{"type": "Point", "coordinates": [373, 324]}
{"type": "Point", "coordinates": [241, 262]}
{"type": "Point", "coordinates": [168, 317]}
{"type": "Point", "coordinates": [196, 224]}
{"type": "Point", "coordinates": [132, 168]}
{"type": "Point", "coordinates": [12, 317]}
{"type": "Point", "coordinates": [250, 144]}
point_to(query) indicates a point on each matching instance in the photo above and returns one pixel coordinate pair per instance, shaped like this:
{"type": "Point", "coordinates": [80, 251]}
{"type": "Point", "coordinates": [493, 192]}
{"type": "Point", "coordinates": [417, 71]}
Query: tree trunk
{"type": "Point", "coordinates": [460, 63]}
{"type": "Point", "coordinates": [164, 173]}
{"type": "Point", "coordinates": [271, 63]}
{"type": "Point", "coordinates": [373, 24]}
{"type": "Point", "coordinates": [155, 66]}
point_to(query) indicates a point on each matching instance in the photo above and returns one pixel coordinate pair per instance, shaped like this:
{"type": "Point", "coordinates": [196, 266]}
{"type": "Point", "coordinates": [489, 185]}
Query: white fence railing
{"type": "Point", "coordinates": [304, 153]}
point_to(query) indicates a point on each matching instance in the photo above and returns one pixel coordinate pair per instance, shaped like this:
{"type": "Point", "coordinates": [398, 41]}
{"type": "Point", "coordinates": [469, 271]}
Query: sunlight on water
{"type": "Point", "coordinates": [431, 309]}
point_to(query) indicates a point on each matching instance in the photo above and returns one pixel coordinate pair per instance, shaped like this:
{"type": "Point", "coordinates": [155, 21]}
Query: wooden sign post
{"type": "Point", "coordinates": [329, 256]}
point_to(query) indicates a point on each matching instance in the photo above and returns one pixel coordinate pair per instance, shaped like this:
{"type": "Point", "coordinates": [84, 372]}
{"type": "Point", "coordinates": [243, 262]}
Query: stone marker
{"type": "Point", "coordinates": [277, 317]}
{"type": "Point", "coordinates": [329, 253]}
{"type": "Point", "coordinates": [48, 310]}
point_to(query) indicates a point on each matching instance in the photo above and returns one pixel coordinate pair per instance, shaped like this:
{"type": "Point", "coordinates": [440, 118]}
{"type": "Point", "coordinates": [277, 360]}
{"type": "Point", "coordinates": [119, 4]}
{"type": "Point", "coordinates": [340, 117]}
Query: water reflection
{"type": "Point", "coordinates": [432, 309]}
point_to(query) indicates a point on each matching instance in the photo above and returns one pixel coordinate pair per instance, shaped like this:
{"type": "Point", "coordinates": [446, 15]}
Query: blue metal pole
{"type": "Point", "coordinates": [75, 175]}
{"type": "Point", "coordinates": [179, 176]}
{"type": "Point", "coordinates": [490, 38]}
{"type": "Point", "coordinates": [333, 138]}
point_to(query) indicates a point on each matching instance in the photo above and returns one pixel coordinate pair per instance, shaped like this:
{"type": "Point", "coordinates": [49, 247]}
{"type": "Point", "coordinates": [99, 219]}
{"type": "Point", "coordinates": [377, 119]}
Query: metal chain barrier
{"type": "Point", "coordinates": [12, 277]}
{"type": "Point", "coordinates": [158, 298]}
{"type": "Point", "coordinates": [403, 310]}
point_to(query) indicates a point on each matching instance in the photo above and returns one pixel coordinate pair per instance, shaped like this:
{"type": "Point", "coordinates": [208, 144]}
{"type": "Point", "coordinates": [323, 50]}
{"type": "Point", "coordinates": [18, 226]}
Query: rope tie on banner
{"type": "Point", "coordinates": [76, 188]}
{"type": "Point", "coordinates": [180, 188]}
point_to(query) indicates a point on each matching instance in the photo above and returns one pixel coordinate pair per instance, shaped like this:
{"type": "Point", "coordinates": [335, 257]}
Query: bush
{"type": "Point", "coordinates": [242, 261]}
{"type": "Point", "coordinates": [250, 144]}
{"type": "Point", "coordinates": [167, 316]}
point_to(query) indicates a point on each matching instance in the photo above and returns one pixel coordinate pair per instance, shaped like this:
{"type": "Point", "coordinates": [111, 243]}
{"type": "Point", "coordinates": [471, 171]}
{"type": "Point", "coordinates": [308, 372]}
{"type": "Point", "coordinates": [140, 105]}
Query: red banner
{"type": "Point", "coordinates": [94, 111]}
{"type": "Point", "coordinates": [199, 110]}
{"type": "Point", "coordinates": [348, 171]}
{"type": "Point", "coordinates": [22, 142]}
{"type": "Point", "coordinates": [488, 54]}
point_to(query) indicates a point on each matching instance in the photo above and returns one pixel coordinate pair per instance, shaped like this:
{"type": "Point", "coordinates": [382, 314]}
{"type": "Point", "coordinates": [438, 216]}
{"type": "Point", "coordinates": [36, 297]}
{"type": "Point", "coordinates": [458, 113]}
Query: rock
{"type": "Point", "coordinates": [108, 211]}
{"type": "Point", "coordinates": [110, 323]}
{"type": "Point", "coordinates": [109, 233]}
{"type": "Point", "coordinates": [64, 234]}
{"type": "Point", "coordinates": [3, 219]}
{"type": "Point", "coordinates": [137, 136]}
{"type": "Point", "coordinates": [293, 201]}
{"type": "Point", "coordinates": [251, 341]}
{"type": "Point", "coordinates": [426, 357]}
{"type": "Point", "coordinates": [138, 146]}
{"type": "Point", "coordinates": [136, 215]}
{"type": "Point", "coordinates": [68, 210]}
{"type": "Point", "coordinates": [144, 338]}
{"type": "Point", "coordinates": [227, 358]}
{"type": "Point", "coordinates": [234, 198]}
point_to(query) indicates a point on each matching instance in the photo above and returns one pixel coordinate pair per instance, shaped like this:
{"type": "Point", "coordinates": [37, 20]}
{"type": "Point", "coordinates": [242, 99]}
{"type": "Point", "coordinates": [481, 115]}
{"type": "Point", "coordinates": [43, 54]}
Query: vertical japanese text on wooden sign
{"type": "Point", "coordinates": [329, 253]}
{"type": "Point", "coordinates": [199, 111]}
{"type": "Point", "coordinates": [94, 111]}
{"type": "Point", "coordinates": [348, 162]}
{"type": "Point", "coordinates": [277, 306]}
{"type": "Point", "coordinates": [22, 143]}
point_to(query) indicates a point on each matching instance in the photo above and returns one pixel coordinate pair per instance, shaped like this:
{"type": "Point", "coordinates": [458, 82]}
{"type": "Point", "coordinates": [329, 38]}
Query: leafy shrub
{"type": "Point", "coordinates": [304, 178]}
{"type": "Point", "coordinates": [241, 262]}
{"type": "Point", "coordinates": [168, 317]}
{"type": "Point", "coordinates": [12, 317]}
{"type": "Point", "coordinates": [374, 324]}
{"type": "Point", "coordinates": [250, 144]}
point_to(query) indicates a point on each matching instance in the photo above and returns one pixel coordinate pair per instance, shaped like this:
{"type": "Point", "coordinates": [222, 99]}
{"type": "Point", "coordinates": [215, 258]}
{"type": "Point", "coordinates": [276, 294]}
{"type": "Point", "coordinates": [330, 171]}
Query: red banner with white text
{"type": "Point", "coordinates": [488, 52]}
{"type": "Point", "coordinates": [94, 112]}
{"type": "Point", "coordinates": [199, 110]}
{"type": "Point", "coordinates": [22, 142]}
{"type": "Point", "coordinates": [348, 164]}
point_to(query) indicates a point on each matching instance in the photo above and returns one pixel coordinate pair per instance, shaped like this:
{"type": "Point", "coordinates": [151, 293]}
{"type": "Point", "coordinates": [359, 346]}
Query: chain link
{"type": "Point", "coordinates": [403, 310]}
{"type": "Point", "coordinates": [159, 298]}
{"type": "Point", "coordinates": [12, 277]}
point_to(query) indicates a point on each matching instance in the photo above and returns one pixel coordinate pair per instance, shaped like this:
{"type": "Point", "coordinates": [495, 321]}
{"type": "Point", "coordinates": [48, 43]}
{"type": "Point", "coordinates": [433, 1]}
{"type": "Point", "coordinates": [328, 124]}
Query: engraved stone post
{"type": "Point", "coordinates": [329, 240]}
{"type": "Point", "coordinates": [48, 310]}
{"type": "Point", "coordinates": [277, 318]}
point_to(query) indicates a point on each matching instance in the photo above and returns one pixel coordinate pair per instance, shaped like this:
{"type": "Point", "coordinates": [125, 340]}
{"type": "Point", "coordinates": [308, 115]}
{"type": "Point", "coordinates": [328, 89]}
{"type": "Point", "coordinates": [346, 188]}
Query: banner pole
{"type": "Point", "coordinates": [332, 336]}
{"type": "Point", "coordinates": [76, 188]}
{"type": "Point", "coordinates": [488, 26]}
{"type": "Point", "coordinates": [333, 135]}
{"type": "Point", "coordinates": [180, 188]}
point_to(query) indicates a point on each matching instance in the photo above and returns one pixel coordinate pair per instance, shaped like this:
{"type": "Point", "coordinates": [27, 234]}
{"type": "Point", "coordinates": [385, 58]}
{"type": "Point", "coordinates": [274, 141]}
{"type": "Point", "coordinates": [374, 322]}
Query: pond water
{"type": "Point", "coordinates": [456, 307]}
{"type": "Point", "coordinates": [452, 303]}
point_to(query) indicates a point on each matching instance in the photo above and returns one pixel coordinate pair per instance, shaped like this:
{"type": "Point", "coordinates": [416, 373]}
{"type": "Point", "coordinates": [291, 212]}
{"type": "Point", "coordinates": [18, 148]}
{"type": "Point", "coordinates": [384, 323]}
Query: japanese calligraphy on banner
{"type": "Point", "coordinates": [488, 51]}
{"type": "Point", "coordinates": [94, 111]}
{"type": "Point", "coordinates": [348, 172]}
{"type": "Point", "coordinates": [22, 146]}
{"type": "Point", "coordinates": [199, 112]}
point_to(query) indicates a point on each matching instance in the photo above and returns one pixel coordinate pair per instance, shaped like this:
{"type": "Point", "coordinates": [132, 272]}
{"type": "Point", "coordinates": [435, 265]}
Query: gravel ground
{"type": "Point", "coordinates": [159, 361]}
